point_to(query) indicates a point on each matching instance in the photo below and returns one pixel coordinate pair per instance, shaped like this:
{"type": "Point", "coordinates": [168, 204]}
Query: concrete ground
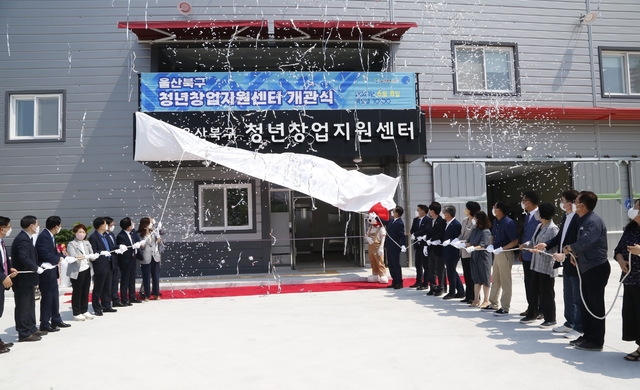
{"type": "Point", "coordinates": [367, 339]}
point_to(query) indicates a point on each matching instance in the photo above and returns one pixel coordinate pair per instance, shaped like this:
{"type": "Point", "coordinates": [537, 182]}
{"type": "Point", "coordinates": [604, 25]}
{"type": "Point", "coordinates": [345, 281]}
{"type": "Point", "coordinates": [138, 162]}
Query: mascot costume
{"type": "Point", "coordinates": [376, 234]}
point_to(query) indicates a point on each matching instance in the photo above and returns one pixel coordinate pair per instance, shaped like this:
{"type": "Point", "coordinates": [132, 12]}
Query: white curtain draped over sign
{"type": "Point", "coordinates": [315, 176]}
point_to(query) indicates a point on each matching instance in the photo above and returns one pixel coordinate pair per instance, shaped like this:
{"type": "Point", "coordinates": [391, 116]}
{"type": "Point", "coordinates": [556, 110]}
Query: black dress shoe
{"type": "Point", "coordinates": [398, 286]}
{"type": "Point", "coordinates": [98, 313]}
{"type": "Point", "coordinates": [4, 350]}
{"type": "Point", "coordinates": [119, 304]}
{"type": "Point", "coordinates": [414, 285]}
{"type": "Point", "coordinates": [136, 301]}
{"type": "Point", "coordinates": [33, 337]}
{"type": "Point", "coordinates": [40, 333]}
{"type": "Point", "coordinates": [49, 329]}
{"type": "Point", "coordinates": [437, 293]}
{"type": "Point", "coordinates": [60, 325]}
{"type": "Point", "coordinates": [431, 292]}
{"type": "Point", "coordinates": [461, 295]}
{"type": "Point", "coordinates": [128, 304]}
{"type": "Point", "coordinates": [5, 345]}
{"type": "Point", "coordinates": [109, 310]}
{"type": "Point", "coordinates": [391, 285]}
{"type": "Point", "coordinates": [465, 301]}
{"type": "Point", "coordinates": [421, 288]}
{"type": "Point", "coordinates": [448, 296]}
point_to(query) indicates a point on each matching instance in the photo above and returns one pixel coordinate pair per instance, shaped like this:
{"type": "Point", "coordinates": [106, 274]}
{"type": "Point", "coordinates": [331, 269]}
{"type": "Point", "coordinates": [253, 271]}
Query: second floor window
{"type": "Point", "coordinates": [620, 73]}
{"type": "Point", "coordinates": [484, 69]}
{"type": "Point", "coordinates": [36, 116]}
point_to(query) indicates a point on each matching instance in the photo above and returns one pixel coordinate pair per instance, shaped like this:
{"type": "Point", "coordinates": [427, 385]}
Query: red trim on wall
{"type": "Point", "coordinates": [531, 113]}
{"type": "Point", "coordinates": [198, 29]}
{"type": "Point", "coordinates": [341, 30]}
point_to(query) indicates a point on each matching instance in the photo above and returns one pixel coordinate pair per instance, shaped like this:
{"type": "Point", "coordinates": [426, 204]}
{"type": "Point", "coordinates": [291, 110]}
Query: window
{"type": "Point", "coordinates": [35, 116]}
{"type": "Point", "coordinates": [619, 72]}
{"type": "Point", "coordinates": [481, 68]}
{"type": "Point", "coordinates": [225, 207]}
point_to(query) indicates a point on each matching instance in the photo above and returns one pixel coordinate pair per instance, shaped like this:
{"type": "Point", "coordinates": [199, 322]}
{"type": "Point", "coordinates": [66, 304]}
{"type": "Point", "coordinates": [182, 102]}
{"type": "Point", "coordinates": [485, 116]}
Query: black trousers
{"type": "Point", "coordinates": [468, 280]}
{"type": "Point", "coordinates": [115, 283]}
{"type": "Point", "coordinates": [127, 281]}
{"type": "Point", "coordinates": [421, 267]}
{"type": "Point", "coordinates": [631, 313]}
{"type": "Point", "coordinates": [436, 270]}
{"type": "Point", "coordinates": [80, 293]}
{"type": "Point", "coordinates": [49, 304]}
{"type": "Point", "coordinates": [455, 283]}
{"type": "Point", "coordinates": [526, 267]}
{"type": "Point", "coordinates": [543, 296]}
{"type": "Point", "coordinates": [25, 311]}
{"type": "Point", "coordinates": [106, 290]}
{"type": "Point", "coordinates": [393, 260]}
{"type": "Point", "coordinates": [593, 283]}
{"type": "Point", "coordinates": [98, 291]}
{"type": "Point", "coordinates": [155, 278]}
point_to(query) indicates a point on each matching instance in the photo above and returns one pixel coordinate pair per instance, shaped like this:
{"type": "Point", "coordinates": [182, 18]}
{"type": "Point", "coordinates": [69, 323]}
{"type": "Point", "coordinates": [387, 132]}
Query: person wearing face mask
{"type": "Point", "coordinates": [630, 243]}
{"type": "Point", "coordinates": [127, 262]}
{"type": "Point", "coordinates": [529, 204]}
{"type": "Point", "coordinates": [435, 259]}
{"type": "Point", "coordinates": [150, 264]}
{"type": "Point", "coordinates": [421, 227]}
{"type": "Point", "coordinates": [567, 234]}
{"type": "Point", "coordinates": [479, 240]}
{"type": "Point", "coordinates": [504, 236]}
{"type": "Point", "coordinates": [468, 224]}
{"type": "Point", "coordinates": [7, 273]}
{"type": "Point", "coordinates": [80, 273]}
{"type": "Point", "coordinates": [590, 250]}
{"type": "Point", "coordinates": [49, 258]}
{"type": "Point", "coordinates": [543, 273]}
{"type": "Point", "coordinates": [113, 281]}
{"type": "Point", "coordinates": [101, 267]}
{"type": "Point", "coordinates": [24, 258]}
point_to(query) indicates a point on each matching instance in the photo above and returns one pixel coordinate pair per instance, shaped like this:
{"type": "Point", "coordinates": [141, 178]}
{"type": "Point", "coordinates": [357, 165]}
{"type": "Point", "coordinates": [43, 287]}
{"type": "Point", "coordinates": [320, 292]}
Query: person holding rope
{"type": "Point", "coordinates": [80, 273]}
{"type": "Point", "coordinates": [590, 254]}
{"type": "Point", "coordinates": [481, 260]}
{"type": "Point", "coordinates": [395, 244]}
{"type": "Point", "coordinates": [630, 245]}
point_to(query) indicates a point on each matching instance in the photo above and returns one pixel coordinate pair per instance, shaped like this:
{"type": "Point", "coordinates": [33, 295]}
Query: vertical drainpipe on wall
{"type": "Point", "coordinates": [592, 67]}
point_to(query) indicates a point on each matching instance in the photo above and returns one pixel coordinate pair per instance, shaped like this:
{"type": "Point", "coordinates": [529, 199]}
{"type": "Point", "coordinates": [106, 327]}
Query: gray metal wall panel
{"type": "Point", "coordinates": [459, 182]}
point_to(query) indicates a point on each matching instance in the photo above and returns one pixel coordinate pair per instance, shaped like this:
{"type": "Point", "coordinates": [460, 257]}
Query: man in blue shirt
{"type": "Point", "coordinates": [590, 249]}
{"type": "Point", "coordinates": [504, 236]}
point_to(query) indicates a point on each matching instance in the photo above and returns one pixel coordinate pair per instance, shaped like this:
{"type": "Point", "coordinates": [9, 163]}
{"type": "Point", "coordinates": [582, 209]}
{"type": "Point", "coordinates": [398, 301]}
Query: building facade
{"type": "Point", "coordinates": [538, 95]}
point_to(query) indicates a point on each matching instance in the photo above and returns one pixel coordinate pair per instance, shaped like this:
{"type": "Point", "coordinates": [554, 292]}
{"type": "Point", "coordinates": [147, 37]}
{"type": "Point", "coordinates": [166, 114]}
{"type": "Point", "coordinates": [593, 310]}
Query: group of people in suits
{"type": "Point", "coordinates": [578, 244]}
{"type": "Point", "coordinates": [108, 260]}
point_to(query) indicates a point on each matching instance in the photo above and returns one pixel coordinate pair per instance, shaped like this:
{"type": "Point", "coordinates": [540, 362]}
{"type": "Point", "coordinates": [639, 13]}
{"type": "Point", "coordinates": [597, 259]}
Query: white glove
{"type": "Point", "coordinates": [490, 249]}
{"type": "Point", "coordinates": [47, 266]}
{"type": "Point", "coordinates": [454, 242]}
{"type": "Point", "coordinates": [446, 243]}
{"type": "Point", "coordinates": [425, 251]}
{"type": "Point", "coordinates": [498, 251]}
{"type": "Point", "coordinates": [429, 242]}
{"type": "Point", "coordinates": [40, 270]}
{"type": "Point", "coordinates": [381, 252]}
{"type": "Point", "coordinates": [121, 249]}
{"type": "Point", "coordinates": [137, 245]}
{"type": "Point", "coordinates": [92, 256]}
{"type": "Point", "coordinates": [70, 259]}
{"type": "Point", "coordinates": [369, 240]}
{"type": "Point", "coordinates": [422, 238]}
{"type": "Point", "coordinates": [413, 237]}
{"type": "Point", "coordinates": [105, 253]}
{"type": "Point", "coordinates": [469, 249]}
{"type": "Point", "coordinates": [403, 249]}
{"type": "Point", "coordinates": [436, 242]}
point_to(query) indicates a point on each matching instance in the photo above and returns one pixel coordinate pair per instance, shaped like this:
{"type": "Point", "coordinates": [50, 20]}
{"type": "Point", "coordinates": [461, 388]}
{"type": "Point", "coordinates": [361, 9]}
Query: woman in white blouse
{"type": "Point", "coordinates": [80, 273]}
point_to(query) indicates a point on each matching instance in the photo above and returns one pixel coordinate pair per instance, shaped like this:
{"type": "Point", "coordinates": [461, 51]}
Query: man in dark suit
{"type": "Point", "coordinates": [393, 245]}
{"type": "Point", "coordinates": [435, 260]}
{"type": "Point", "coordinates": [25, 259]}
{"type": "Point", "coordinates": [7, 273]}
{"type": "Point", "coordinates": [451, 254]}
{"type": "Point", "coordinates": [102, 267]}
{"type": "Point", "coordinates": [421, 227]}
{"type": "Point", "coordinates": [567, 235]}
{"type": "Point", "coordinates": [111, 290]}
{"type": "Point", "coordinates": [127, 262]}
{"type": "Point", "coordinates": [47, 251]}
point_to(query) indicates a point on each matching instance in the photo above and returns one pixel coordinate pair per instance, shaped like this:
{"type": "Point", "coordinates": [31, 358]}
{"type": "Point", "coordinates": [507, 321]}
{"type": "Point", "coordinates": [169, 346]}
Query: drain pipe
{"type": "Point", "coordinates": [591, 58]}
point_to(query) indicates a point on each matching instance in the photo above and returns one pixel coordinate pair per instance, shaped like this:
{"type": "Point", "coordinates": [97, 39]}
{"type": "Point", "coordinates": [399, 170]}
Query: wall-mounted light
{"type": "Point", "coordinates": [357, 160]}
{"type": "Point", "coordinates": [184, 8]}
{"type": "Point", "coordinates": [528, 148]}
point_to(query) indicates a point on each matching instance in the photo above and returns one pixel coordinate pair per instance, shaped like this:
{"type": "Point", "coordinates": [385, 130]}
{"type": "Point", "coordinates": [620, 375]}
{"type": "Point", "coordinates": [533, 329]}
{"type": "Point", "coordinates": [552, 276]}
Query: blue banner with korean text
{"type": "Point", "coordinates": [265, 91]}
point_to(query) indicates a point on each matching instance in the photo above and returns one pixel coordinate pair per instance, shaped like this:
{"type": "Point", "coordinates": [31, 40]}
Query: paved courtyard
{"type": "Point", "coordinates": [367, 339]}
